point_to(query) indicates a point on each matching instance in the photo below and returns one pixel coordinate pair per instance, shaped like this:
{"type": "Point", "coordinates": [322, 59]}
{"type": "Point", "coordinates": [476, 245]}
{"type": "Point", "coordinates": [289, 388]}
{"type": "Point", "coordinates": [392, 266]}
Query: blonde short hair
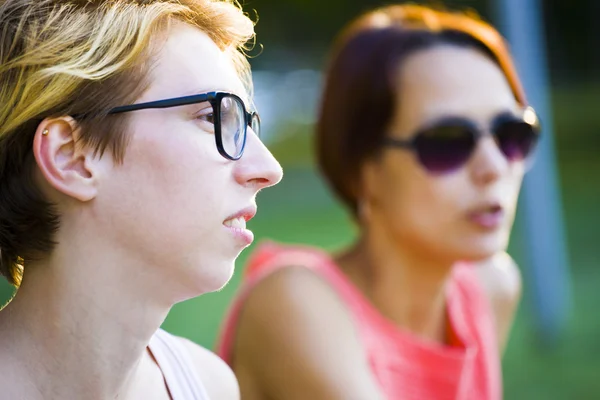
{"type": "Point", "coordinates": [74, 57]}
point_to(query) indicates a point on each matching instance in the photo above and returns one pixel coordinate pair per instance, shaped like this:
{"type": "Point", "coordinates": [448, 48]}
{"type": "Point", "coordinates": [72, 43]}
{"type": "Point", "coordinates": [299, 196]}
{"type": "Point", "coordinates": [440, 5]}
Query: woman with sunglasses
{"type": "Point", "coordinates": [129, 165]}
{"type": "Point", "coordinates": [424, 134]}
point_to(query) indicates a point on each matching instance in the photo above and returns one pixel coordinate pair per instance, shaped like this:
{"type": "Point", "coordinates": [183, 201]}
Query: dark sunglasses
{"type": "Point", "coordinates": [448, 144]}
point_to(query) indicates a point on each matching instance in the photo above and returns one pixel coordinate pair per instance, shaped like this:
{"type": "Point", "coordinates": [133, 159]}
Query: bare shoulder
{"type": "Point", "coordinates": [215, 374]}
{"type": "Point", "coordinates": [296, 339]}
{"type": "Point", "coordinates": [501, 279]}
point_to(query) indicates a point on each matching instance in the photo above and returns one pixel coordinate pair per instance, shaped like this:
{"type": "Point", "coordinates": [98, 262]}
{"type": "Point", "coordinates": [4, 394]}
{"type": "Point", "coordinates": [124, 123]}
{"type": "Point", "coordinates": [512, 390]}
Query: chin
{"type": "Point", "coordinates": [482, 248]}
{"type": "Point", "coordinates": [219, 275]}
{"type": "Point", "coordinates": [212, 276]}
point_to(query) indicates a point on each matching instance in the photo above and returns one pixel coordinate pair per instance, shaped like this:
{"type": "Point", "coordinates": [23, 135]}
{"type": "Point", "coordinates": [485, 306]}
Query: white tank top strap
{"type": "Point", "coordinates": [177, 367]}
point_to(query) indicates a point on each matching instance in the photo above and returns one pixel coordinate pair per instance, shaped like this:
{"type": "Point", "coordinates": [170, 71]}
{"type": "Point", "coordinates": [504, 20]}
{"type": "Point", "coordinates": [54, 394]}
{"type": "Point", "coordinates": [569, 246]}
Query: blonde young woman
{"type": "Point", "coordinates": [424, 133]}
{"type": "Point", "coordinates": [129, 164]}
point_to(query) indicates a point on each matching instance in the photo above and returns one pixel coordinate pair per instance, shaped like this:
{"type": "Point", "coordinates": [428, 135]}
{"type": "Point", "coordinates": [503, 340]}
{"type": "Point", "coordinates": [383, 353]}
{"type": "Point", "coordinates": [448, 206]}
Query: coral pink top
{"type": "Point", "coordinates": [407, 367]}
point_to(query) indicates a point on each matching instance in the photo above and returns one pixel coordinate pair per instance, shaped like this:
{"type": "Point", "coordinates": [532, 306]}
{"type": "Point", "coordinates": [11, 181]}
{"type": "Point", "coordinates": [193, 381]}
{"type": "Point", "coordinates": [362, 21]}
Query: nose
{"type": "Point", "coordinates": [488, 163]}
{"type": "Point", "coordinates": [257, 168]}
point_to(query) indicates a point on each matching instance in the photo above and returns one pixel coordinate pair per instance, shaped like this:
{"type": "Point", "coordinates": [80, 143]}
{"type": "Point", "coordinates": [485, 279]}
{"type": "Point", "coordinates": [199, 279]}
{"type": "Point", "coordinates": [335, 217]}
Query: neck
{"type": "Point", "coordinates": [405, 284]}
{"type": "Point", "coordinates": [80, 323]}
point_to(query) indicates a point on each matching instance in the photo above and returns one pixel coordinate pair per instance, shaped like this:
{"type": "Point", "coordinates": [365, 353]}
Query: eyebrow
{"type": "Point", "coordinates": [243, 94]}
{"type": "Point", "coordinates": [463, 119]}
{"type": "Point", "coordinates": [206, 89]}
{"type": "Point", "coordinates": [197, 90]}
{"type": "Point", "coordinates": [445, 118]}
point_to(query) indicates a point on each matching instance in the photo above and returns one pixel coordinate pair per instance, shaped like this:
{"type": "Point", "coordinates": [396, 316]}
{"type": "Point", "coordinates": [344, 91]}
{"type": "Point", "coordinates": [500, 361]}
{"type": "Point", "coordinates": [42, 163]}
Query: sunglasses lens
{"type": "Point", "coordinates": [516, 139]}
{"type": "Point", "coordinates": [445, 148]}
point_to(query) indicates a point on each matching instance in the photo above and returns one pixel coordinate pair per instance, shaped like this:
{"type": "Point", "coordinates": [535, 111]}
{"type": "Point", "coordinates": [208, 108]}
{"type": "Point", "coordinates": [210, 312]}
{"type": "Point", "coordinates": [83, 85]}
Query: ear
{"type": "Point", "coordinates": [369, 184]}
{"type": "Point", "coordinates": [64, 163]}
{"type": "Point", "coordinates": [366, 189]}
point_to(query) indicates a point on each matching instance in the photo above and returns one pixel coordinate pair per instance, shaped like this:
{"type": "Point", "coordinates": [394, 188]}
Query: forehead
{"type": "Point", "coordinates": [451, 80]}
{"type": "Point", "coordinates": [189, 62]}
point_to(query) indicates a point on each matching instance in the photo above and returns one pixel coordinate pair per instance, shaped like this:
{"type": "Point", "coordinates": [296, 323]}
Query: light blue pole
{"type": "Point", "coordinates": [546, 266]}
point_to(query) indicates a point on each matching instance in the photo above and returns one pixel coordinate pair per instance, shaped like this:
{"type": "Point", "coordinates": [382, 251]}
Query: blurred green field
{"type": "Point", "coordinates": [300, 209]}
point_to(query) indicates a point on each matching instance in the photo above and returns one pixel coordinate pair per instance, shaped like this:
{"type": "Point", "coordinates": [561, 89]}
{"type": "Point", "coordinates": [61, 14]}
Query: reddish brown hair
{"type": "Point", "coordinates": [359, 96]}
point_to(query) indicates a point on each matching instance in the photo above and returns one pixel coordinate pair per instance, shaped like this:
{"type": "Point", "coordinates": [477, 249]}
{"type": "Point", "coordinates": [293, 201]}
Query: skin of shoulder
{"type": "Point", "coordinates": [297, 340]}
{"type": "Point", "coordinates": [501, 279]}
{"type": "Point", "coordinates": [215, 374]}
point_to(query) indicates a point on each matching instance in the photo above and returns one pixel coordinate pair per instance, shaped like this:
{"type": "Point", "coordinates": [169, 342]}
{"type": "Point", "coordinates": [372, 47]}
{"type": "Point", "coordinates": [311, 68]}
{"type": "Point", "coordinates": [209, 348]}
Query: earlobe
{"type": "Point", "coordinates": [66, 166]}
{"type": "Point", "coordinates": [368, 179]}
{"type": "Point", "coordinates": [364, 190]}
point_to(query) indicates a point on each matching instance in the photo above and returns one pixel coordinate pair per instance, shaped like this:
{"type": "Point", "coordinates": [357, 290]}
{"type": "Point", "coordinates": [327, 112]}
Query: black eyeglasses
{"type": "Point", "coordinates": [230, 118]}
{"type": "Point", "coordinates": [448, 144]}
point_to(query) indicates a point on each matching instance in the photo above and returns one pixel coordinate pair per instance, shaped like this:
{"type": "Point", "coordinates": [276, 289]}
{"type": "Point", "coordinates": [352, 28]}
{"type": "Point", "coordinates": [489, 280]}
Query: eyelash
{"type": "Point", "coordinates": [204, 116]}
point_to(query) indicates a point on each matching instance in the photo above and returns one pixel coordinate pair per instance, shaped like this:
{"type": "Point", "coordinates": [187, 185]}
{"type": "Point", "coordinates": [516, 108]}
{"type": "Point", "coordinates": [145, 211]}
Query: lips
{"type": "Point", "coordinates": [488, 216]}
{"type": "Point", "coordinates": [240, 217]}
{"type": "Point", "coordinates": [236, 224]}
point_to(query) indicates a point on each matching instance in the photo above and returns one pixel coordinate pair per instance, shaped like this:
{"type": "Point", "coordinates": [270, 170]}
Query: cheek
{"type": "Point", "coordinates": [172, 179]}
{"type": "Point", "coordinates": [512, 184]}
{"type": "Point", "coordinates": [418, 203]}
{"type": "Point", "coordinates": [431, 205]}
{"type": "Point", "coordinates": [183, 158]}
